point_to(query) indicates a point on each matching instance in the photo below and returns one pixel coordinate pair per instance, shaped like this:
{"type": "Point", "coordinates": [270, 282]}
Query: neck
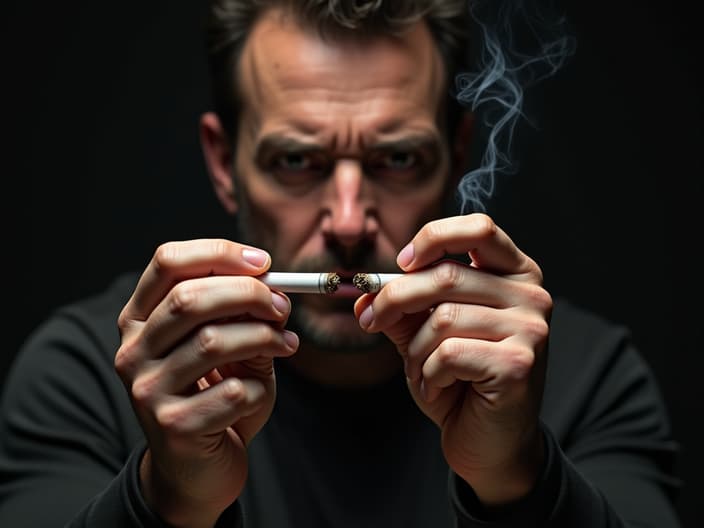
{"type": "Point", "coordinates": [358, 369]}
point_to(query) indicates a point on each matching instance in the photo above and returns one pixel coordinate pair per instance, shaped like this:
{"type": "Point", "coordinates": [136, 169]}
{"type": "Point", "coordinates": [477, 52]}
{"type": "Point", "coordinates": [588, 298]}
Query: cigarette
{"type": "Point", "coordinates": [373, 282]}
{"type": "Point", "coordinates": [290, 282]}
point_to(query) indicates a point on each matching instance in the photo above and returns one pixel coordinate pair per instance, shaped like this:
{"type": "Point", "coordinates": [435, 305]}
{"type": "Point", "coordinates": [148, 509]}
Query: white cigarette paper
{"type": "Point", "coordinates": [291, 282]}
{"type": "Point", "coordinates": [373, 282]}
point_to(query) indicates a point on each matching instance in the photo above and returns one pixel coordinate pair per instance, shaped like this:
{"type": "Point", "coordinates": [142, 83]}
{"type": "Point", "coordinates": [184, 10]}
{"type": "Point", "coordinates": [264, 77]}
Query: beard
{"type": "Point", "coordinates": [313, 316]}
{"type": "Point", "coordinates": [305, 322]}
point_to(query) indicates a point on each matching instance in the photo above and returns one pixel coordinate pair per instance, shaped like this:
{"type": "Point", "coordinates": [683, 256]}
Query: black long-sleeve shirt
{"type": "Point", "coordinates": [70, 444]}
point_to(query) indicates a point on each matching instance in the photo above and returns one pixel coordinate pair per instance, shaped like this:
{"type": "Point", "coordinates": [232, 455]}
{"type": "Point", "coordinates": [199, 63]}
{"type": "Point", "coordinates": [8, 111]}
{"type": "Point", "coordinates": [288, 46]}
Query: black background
{"type": "Point", "coordinates": [101, 163]}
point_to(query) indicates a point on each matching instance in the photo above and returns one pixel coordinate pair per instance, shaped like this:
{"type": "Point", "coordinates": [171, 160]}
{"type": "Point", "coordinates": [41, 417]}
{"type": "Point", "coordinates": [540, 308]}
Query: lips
{"type": "Point", "coordinates": [346, 288]}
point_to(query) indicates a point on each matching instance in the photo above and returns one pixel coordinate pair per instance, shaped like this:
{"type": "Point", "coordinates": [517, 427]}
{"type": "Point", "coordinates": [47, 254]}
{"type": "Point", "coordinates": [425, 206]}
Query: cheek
{"type": "Point", "coordinates": [271, 219]}
{"type": "Point", "coordinates": [298, 231]}
{"type": "Point", "coordinates": [282, 226]}
{"type": "Point", "coordinates": [403, 215]}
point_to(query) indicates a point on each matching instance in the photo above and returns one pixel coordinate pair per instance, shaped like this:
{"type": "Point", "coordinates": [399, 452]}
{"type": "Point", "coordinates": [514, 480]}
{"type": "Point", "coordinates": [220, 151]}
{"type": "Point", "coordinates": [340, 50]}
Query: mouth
{"type": "Point", "coordinates": [346, 288]}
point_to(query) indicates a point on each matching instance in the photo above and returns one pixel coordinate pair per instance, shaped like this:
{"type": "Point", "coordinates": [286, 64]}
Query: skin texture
{"type": "Point", "coordinates": [340, 162]}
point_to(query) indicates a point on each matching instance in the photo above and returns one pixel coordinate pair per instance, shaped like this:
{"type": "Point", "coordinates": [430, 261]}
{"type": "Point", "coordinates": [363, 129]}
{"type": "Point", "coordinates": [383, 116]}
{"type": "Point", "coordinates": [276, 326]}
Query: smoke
{"type": "Point", "coordinates": [519, 43]}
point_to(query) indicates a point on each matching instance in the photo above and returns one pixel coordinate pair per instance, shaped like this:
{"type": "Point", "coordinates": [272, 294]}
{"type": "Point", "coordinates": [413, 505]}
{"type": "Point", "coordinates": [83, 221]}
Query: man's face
{"type": "Point", "coordinates": [340, 158]}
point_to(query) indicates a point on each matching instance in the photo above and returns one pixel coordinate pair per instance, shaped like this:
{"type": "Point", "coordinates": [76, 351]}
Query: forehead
{"type": "Point", "coordinates": [284, 66]}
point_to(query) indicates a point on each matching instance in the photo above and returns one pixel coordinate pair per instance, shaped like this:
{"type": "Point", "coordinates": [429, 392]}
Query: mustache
{"type": "Point", "coordinates": [328, 262]}
{"type": "Point", "coordinates": [356, 258]}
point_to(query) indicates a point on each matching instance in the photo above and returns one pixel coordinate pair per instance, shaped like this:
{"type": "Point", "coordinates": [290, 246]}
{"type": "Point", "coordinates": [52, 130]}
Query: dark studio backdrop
{"type": "Point", "coordinates": [100, 163]}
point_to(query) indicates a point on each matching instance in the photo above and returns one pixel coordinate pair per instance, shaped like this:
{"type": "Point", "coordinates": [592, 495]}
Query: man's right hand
{"type": "Point", "coordinates": [199, 335]}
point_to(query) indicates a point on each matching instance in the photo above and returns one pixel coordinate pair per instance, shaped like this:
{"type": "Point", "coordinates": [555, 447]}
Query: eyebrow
{"type": "Point", "coordinates": [280, 143]}
{"type": "Point", "coordinates": [415, 141]}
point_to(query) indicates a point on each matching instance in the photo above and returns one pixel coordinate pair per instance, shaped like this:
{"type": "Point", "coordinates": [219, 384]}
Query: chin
{"type": "Point", "coordinates": [333, 329]}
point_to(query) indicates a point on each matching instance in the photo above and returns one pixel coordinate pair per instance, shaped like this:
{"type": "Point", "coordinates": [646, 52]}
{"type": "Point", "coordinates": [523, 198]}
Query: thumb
{"type": "Point", "coordinates": [401, 331]}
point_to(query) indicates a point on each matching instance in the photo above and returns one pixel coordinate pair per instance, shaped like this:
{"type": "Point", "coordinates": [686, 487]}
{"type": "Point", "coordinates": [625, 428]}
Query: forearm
{"type": "Point", "coordinates": [564, 496]}
{"type": "Point", "coordinates": [122, 504]}
{"type": "Point", "coordinates": [496, 487]}
{"type": "Point", "coordinates": [180, 510]}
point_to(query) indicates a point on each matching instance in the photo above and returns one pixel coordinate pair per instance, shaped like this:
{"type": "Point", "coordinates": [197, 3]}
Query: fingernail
{"type": "Point", "coordinates": [291, 339]}
{"type": "Point", "coordinates": [405, 257]}
{"type": "Point", "coordinates": [366, 317]}
{"type": "Point", "coordinates": [256, 257]}
{"type": "Point", "coordinates": [280, 302]}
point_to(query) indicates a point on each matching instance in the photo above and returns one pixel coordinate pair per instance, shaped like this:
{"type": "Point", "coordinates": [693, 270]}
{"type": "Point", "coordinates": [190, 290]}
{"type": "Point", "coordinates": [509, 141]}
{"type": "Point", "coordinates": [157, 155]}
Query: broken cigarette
{"type": "Point", "coordinates": [292, 282]}
{"type": "Point", "coordinates": [373, 282]}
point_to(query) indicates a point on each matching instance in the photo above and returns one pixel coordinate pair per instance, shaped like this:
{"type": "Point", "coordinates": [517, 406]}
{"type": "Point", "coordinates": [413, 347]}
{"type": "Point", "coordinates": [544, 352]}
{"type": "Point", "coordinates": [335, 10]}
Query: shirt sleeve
{"type": "Point", "coordinates": [121, 504]}
{"type": "Point", "coordinates": [70, 446]}
{"type": "Point", "coordinates": [614, 467]}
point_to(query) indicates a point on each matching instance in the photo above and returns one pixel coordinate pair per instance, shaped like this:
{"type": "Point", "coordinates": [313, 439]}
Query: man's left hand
{"type": "Point", "coordinates": [473, 339]}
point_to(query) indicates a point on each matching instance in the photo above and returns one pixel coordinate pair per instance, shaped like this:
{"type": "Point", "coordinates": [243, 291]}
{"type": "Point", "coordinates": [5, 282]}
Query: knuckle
{"type": "Point", "coordinates": [221, 248]}
{"type": "Point", "coordinates": [233, 390]}
{"type": "Point", "coordinates": [483, 224]}
{"type": "Point", "coordinates": [540, 298]}
{"type": "Point", "coordinates": [434, 231]}
{"type": "Point", "coordinates": [266, 335]}
{"type": "Point", "coordinates": [449, 352]}
{"type": "Point", "coordinates": [520, 363]}
{"type": "Point", "coordinates": [444, 316]}
{"type": "Point", "coordinates": [446, 276]}
{"type": "Point", "coordinates": [247, 287]}
{"type": "Point", "coordinates": [537, 273]}
{"type": "Point", "coordinates": [182, 299]}
{"type": "Point", "coordinates": [209, 340]}
{"type": "Point", "coordinates": [171, 418]}
{"type": "Point", "coordinates": [537, 328]}
{"type": "Point", "coordinates": [143, 390]}
{"type": "Point", "coordinates": [164, 257]}
{"type": "Point", "coordinates": [123, 321]}
{"type": "Point", "coordinates": [125, 361]}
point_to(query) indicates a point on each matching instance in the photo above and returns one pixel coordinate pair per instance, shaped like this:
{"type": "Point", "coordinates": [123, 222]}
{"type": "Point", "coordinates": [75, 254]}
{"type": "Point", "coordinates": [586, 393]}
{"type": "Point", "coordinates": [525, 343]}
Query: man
{"type": "Point", "coordinates": [431, 403]}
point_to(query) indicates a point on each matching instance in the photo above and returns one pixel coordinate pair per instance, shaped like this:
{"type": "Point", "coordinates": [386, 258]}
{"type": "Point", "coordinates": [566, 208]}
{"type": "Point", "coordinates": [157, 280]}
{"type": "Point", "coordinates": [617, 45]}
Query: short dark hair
{"type": "Point", "coordinates": [229, 22]}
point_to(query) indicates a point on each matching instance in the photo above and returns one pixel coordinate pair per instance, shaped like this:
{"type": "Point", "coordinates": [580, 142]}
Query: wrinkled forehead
{"type": "Point", "coordinates": [281, 59]}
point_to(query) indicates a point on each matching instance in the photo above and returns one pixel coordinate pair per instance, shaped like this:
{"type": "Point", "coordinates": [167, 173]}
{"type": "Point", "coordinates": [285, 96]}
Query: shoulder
{"type": "Point", "coordinates": [590, 358]}
{"type": "Point", "coordinates": [580, 337]}
{"type": "Point", "coordinates": [105, 305]}
{"type": "Point", "coordinates": [83, 329]}
{"type": "Point", "coordinates": [572, 324]}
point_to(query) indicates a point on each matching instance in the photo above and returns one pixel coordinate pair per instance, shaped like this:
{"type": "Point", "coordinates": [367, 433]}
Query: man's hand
{"type": "Point", "coordinates": [473, 339]}
{"type": "Point", "coordinates": [199, 335]}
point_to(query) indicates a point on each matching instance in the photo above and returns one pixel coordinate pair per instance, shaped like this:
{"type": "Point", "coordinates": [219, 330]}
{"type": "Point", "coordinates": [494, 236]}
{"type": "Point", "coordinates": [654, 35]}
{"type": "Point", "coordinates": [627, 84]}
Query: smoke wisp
{"type": "Point", "coordinates": [519, 43]}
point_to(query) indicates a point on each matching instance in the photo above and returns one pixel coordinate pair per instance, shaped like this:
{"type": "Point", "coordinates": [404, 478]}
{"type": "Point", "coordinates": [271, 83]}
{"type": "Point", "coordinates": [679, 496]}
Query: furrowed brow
{"type": "Point", "coordinates": [278, 143]}
{"type": "Point", "coordinates": [427, 142]}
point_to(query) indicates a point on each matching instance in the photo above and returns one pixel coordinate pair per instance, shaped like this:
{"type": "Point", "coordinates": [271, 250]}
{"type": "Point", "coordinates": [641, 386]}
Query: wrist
{"type": "Point", "coordinates": [170, 503]}
{"type": "Point", "coordinates": [510, 481]}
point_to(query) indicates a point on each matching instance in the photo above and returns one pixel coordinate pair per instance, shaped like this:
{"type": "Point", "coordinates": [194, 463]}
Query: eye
{"type": "Point", "coordinates": [399, 160]}
{"type": "Point", "coordinates": [298, 171]}
{"type": "Point", "coordinates": [396, 166]}
{"type": "Point", "coordinates": [293, 161]}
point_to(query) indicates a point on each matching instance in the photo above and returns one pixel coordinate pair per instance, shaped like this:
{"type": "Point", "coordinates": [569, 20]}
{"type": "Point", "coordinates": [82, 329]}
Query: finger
{"type": "Point", "coordinates": [476, 234]}
{"type": "Point", "coordinates": [443, 282]}
{"type": "Point", "coordinates": [456, 320]}
{"type": "Point", "coordinates": [493, 368]}
{"type": "Point", "coordinates": [174, 262]}
{"type": "Point", "coordinates": [211, 410]}
{"type": "Point", "coordinates": [214, 346]}
{"type": "Point", "coordinates": [192, 303]}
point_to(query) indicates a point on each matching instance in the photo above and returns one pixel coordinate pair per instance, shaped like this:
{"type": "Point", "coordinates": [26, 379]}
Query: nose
{"type": "Point", "coordinates": [348, 205]}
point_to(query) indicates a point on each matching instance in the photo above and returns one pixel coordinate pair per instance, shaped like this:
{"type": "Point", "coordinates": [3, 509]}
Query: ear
{"type": "Point", "coordinates": [462, 145]}
{"type": "Point", "coordinates": [218, 154]}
